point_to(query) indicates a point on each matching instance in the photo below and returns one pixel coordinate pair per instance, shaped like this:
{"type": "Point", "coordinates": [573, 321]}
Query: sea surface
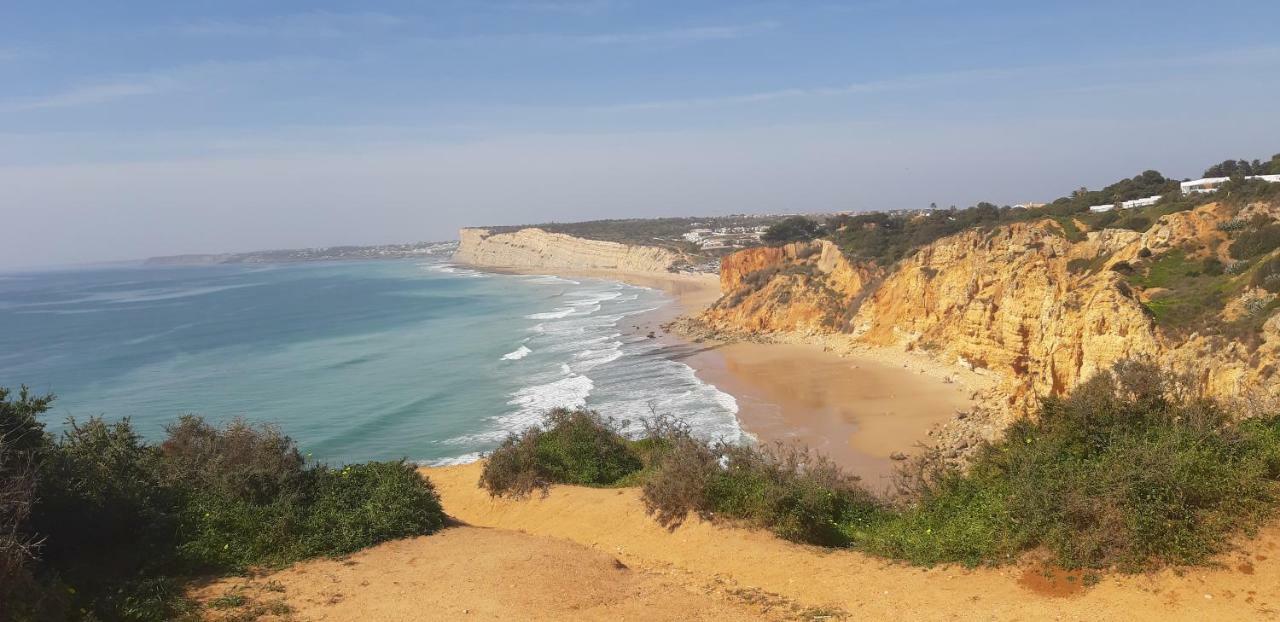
{"type": "Point", "coordinates": [372, 360]}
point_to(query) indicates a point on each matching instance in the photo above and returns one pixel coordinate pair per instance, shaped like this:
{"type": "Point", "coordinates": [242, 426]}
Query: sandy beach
{"type": "Point", "coordinates": [857, 410]}
{"type": "Point", "coordinates": [857, 407]}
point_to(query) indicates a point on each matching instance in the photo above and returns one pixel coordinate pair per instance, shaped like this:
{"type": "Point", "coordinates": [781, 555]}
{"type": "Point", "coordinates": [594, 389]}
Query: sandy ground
{"type": "Point", "coordinates": [562, 557]}
{"type": "Point", "coordinates": [473, 573]}
{"type": "Point", "coordinates": [857, 410]}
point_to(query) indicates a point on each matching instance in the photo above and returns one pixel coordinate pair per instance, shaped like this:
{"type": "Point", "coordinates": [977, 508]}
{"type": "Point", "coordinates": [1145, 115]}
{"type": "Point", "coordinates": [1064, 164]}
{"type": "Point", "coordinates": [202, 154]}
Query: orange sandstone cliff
{"type": "Point", "coordinates": [1023, 302]}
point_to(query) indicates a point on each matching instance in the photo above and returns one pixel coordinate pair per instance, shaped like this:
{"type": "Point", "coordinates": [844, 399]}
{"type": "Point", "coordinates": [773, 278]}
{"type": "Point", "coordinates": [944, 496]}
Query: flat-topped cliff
{"type": "Point", "coordinates": [537, 248]}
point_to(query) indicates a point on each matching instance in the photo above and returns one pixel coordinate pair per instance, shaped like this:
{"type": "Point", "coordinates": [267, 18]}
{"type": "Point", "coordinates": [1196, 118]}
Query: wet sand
{"type": "Point", "coordinates": [857, 410]}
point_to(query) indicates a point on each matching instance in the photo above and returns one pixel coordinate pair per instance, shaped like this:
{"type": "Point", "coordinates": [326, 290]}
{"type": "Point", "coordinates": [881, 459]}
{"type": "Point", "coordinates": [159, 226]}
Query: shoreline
{"type": "Point", "coordinates": [858, 406]}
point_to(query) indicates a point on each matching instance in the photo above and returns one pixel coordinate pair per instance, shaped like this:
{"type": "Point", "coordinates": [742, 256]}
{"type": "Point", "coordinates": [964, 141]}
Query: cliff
{"type": "Point", "coordinates": [1030, 304]}
{"type": "Point", "coordinates": [536, 248]}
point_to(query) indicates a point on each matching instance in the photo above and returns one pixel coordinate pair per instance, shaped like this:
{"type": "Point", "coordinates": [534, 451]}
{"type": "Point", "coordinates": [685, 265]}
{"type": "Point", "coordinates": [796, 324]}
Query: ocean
{"type": "Point", "coordinates": [371, 360]}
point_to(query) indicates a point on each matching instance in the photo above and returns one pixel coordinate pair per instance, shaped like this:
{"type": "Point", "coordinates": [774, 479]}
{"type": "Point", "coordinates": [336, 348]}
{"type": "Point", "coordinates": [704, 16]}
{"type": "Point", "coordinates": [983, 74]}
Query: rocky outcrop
{"type": "Point", "coordinates": [1023, 302]}
{"type": "Point", "coordinates": [536, 248]}
{"type": "Point", "coordinates": [805, 287]}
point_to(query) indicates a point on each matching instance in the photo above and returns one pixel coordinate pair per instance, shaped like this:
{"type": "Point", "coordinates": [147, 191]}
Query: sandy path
{"type": "Point", "coordinates": [472, 573]}
{"type": "Point", "coordinates": [1245, 587]}
{"type": "Point", "coordinates": [592, 554]}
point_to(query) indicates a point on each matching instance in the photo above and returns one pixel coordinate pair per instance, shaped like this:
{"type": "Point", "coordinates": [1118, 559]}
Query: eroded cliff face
{"type": "Point", "coordinates": [536, 248]}
{"type": "Point", "coordinates": [805, 287]}
{"type": "Point", "coordinates": [1021, 301]}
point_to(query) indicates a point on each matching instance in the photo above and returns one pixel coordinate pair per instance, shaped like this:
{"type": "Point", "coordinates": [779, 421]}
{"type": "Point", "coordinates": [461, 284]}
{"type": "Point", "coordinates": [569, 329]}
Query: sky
{"type": "Point", "coordinates": [133, 129]}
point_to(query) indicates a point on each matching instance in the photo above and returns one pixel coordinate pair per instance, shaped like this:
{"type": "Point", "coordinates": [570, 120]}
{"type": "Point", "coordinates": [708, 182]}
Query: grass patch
{"type": "Point", "coordinates": [1069, 228]}
{"type": "Point", "coordinates": [1196, 290]}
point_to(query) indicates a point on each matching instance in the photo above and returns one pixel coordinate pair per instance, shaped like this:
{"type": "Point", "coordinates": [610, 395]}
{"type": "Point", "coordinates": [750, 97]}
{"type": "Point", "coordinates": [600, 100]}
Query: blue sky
{"type": "Point", "coordinates": [141, 128]}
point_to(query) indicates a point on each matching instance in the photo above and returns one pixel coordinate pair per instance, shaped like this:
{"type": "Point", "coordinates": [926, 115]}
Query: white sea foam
{"type": "Point", "coordinates": [467, 458]}
{"type": "Point", "coordinates": [447, 268]}
{"type": "Point", "coordinates": [552, 315]}
{"type": "Point", "coordinates": [548, 279]}
{"type": "Point", "coordinates": [584, 360]}
{"type": "Point", "coordinates": [567, 392]}
{"type": "Point", "coordinates": [517, 354]}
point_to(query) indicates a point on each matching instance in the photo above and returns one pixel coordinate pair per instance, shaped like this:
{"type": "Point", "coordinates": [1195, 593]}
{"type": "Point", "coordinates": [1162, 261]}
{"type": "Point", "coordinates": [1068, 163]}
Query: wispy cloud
{"type": "Point", "coordinates": [873, 86]}
{"type": "Point", "coordinates": [87, 95]}
{"type": "Point", "coordinates": [196, 76]}
{"type": "Point", "coordinates": [675, 35]}
{"type": "Point", "coordinates": [577, 7]}
{"type": "Point", "coordinates": [1173, 68]}
{"type": "Point", "coordinates": [316, 24]}
{"type": "Point", "coordinates": [668, 36]}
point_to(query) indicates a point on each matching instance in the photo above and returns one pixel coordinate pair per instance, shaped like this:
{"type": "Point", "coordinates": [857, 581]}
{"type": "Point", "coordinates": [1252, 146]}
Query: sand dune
{"type": "Point", "coordinates": [561, 557]}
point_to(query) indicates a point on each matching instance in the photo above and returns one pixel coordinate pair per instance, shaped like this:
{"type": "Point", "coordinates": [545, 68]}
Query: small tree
{"type": "Point", "coordinates": [792, 229]}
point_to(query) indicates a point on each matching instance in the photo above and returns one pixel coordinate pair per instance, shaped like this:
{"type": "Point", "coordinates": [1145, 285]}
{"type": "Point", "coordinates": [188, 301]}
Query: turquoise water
{"type": "Point", "coordinates": [357, 361]}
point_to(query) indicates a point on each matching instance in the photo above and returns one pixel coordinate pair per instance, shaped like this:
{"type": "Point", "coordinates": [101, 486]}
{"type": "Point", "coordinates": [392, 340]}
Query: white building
{"type": "Point", "coordinates": [1145, 202]}
{"type": "Point", "coordinates": [1206, 185]}
{"type": "Point", "coordinates": [1130, 204]}
{"type": "Point", "coordinates": [696, 235]}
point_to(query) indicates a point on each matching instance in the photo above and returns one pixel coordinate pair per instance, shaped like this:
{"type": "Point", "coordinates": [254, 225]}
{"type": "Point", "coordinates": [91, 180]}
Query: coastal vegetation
{"type": "Point", "coordinates": [570, 447]}
{"type": "Point", "coordinates": [663, 232]}
{"type": "Point", "coordinates": [1131, 471]}
{"type": "Point", "coordinates": [886, 237]}
{"type": "Point", "coordinates": [98, 524]}
{"type": "Point", "coordinates": [792, 229]}
{"type": "Point", "coordinates": [1188, 287]}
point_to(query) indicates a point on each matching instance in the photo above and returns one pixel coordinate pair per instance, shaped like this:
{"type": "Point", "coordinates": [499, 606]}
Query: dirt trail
{"type": "Point", "coordinates": [471, 573]}
{"type": "Point", "coordinates": [562, 557]}
{"type": "Point", "coordinates": [613, 521]}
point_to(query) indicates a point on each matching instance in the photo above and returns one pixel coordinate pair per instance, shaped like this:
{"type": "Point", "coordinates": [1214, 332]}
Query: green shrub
{"type": "Point", "coordinates": [360, 505]}
{"type": "Point", "coordinates": [1135, 223]}
{"type": "Point", "coordinates": [120, 522]}
{"type": "Point", "coordinates": [571, 447]}
{"type": "Point", "coordinates": [795, 493]}
{"type": "Point", "coordinates": [1267, 276]}
{"type": "Point", "coordinates": [17, 494]}
{"type": "Point", "coordinates": [792, 229]}
{"type": "Point", "coordinates": [249, 500]}
{"type": "Point", "coordinates": [103, 510]}
{"type": "Point", "coordinates": [1079, 265]}
{"type": "Point", "coordinates": [1118, 474]}
{"type": "Point", "coordinates": [1126, 472]}
{"type": "Point", "coordinates": [957, 518]}
{"type": "Point", "coordinates": [1257, 242]}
